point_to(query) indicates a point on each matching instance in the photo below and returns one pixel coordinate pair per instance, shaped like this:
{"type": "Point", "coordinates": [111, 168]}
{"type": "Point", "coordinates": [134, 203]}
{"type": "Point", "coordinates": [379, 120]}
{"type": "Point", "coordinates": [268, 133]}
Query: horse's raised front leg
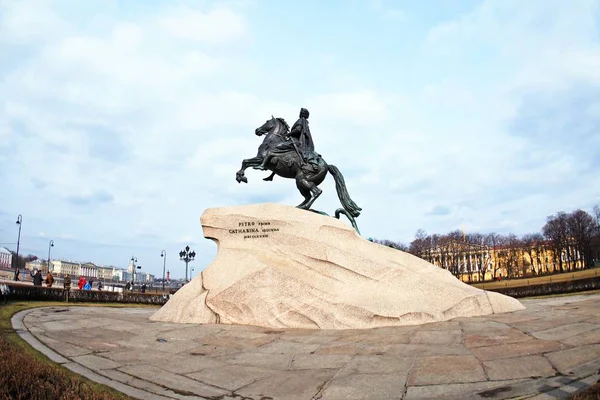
{"type": "Point", "coordinates": [247, 163]}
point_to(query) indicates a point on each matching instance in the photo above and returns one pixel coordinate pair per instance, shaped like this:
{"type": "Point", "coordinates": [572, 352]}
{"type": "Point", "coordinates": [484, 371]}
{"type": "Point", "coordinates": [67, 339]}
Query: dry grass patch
{"type": "Point", "coordinates": [29, 375]}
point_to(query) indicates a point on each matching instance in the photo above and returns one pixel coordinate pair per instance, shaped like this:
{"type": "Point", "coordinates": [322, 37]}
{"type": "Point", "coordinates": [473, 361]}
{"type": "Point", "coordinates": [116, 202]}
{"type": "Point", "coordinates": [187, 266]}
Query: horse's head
{"type": "Point", "coordinates": [266, 127]}
{"type": "Point", "coordinates": [276, 125]}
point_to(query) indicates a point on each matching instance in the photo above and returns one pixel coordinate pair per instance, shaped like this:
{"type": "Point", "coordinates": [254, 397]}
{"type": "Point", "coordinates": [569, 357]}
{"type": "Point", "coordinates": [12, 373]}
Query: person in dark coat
{"type": "Point", "coordinates": [67, 285]}
{"type": "Point", "coordinates": [37, 278]}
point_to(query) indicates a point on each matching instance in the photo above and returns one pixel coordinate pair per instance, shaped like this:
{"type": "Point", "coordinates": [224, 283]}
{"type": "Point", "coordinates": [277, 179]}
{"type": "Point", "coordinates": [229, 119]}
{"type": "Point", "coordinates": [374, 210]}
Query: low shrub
{"type": "Point", "coordinates": [24, 377]}
{"type": "Point", "coordinates": [18, 291]}
{"type": "Point", "coordinates": [28, 375]}
{"type": "Point", "coordinates": [591, 393]}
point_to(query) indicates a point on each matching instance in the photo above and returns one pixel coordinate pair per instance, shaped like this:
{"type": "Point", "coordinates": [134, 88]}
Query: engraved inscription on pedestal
{"type": "Point", "coordinates": [254, 230]}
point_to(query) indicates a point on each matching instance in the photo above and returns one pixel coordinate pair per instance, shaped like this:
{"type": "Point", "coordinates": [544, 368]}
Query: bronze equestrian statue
{"type": "Point", "coordinates": [291, 154]}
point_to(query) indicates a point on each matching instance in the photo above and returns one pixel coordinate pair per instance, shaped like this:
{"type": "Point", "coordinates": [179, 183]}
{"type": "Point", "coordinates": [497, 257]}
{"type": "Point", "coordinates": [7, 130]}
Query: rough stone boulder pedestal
{"type": "Point", "coordinates": [281, 267]}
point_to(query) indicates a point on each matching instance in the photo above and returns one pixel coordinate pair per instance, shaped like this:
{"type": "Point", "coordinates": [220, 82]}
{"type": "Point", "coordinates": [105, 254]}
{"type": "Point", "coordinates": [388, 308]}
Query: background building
{"type": "Point", "coordinates": [472, 262]}
{"type": "Point", "coordinates": [144, 277]}
{"type": "Point", "coordinates": [64, 267]}
{"type": "Point", "coordinates": [106, 273]}
{"type": "Point", "coordinates": [5, 258]}
{"type": "Point", "coordinates": [89, 270]}
{"type": "Point", "coordinates": [36, 264]}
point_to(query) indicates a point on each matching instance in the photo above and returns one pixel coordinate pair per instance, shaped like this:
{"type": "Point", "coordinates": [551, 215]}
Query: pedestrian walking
{"type": "Point", "coordinates": [37, 278]}
{"type": "Point", "coordinates": [67, 286]}
{"type": "Point", "coordinates": [49, 279]}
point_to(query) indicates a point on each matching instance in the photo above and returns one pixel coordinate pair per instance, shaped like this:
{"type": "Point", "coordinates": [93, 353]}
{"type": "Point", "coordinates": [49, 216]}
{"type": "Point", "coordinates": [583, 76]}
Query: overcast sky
{"type": "Point", "coordinates": [122, 121]}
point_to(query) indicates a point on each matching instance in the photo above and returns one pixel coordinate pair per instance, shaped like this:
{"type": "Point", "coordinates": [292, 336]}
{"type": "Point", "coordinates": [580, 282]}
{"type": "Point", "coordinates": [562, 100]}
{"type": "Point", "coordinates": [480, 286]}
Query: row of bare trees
{"type": "Point", "coordinates": [576, 235]}
{"type": "Point", "coordinates": [21, 260]}
{"type": "Point", "coordinates": [567, 241]}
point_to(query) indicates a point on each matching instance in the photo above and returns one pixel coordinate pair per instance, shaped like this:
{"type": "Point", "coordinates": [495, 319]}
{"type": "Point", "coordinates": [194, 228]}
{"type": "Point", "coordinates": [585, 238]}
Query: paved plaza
{"type": "Point", "coordinates": [547, 351]}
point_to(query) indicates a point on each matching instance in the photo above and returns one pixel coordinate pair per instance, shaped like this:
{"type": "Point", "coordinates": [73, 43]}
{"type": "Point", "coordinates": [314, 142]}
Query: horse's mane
{"type": "Point", "coordinates": [287, 127]}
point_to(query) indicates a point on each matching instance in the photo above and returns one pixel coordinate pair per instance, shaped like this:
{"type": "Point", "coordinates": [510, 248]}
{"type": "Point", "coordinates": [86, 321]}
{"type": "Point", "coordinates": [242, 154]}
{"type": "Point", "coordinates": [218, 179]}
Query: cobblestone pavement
{"type": "Point", "coordinates": [547, 351]}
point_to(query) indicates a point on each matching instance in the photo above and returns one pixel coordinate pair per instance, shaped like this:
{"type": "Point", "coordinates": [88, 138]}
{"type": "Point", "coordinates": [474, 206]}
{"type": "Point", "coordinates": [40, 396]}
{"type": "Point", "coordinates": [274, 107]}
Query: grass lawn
{"type": "Point", "coordinates": [27, 374]}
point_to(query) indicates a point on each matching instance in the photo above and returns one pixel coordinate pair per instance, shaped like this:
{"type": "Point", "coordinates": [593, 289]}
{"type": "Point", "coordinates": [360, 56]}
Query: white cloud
{"type": "Point", "coordinates": [357, 107]}
{"type": "Point", "coordinates": [27, 21]}
{"type": "Point", "coordinates": [388, 10]}
{"type": "Point", "coordinates": [594, 110]}
{"type": "Point", "coordinates": [185, 240]}
{"type": "Point", "coordinates": [218, 26]}
{"type": "Point", "coordinates": [543, 40]}
{"type": "Point", "coordinates": [158, 109]}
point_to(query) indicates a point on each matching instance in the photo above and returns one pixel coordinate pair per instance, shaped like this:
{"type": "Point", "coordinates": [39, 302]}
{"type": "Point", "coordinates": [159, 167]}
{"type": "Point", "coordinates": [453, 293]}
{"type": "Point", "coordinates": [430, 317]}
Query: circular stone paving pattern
{"type": "Point", "coordinates": [547, 351]}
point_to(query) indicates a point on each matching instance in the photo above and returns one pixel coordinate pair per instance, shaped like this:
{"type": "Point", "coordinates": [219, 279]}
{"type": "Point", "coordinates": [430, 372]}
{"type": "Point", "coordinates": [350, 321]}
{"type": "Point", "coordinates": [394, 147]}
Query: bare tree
{"type": "Point", "coordinates": [566, 239]}
{"type": "Point", "coordinates": [556, 231]}
{"type": "Point", "coordinates": [484, 261]}
{"type": "Point", "coordinates": [493, 240]}
{"type": "Point", "coordinates": [419, 245]}
{"type": "Point", "coordinates": [22, 260]}
{"type": "Point", "coordinates": [501, 255]}
{"type": "Point", "coordinates": [392, 244]}
{"type": "Point", "coordinates": [444, 252]}
{"type": "Point", "coordinates": [401, 246]}
{"type": "Point", "coordinates": [433, 252]}
{"type": "Point", "coordinates": [597, 214]}
{"type": "Point", "coordinates": [532, 246]}
{"type": "Point", "coordinates": [596, 239]}
{"type": "Point", "coordinates": [474, 246]}
{"type": "Point", "coordinates": [456, 252]}
{"type": "Point", "coordinates": [581, 229]}
{"type": "Point", "coordinates": [512, 252]}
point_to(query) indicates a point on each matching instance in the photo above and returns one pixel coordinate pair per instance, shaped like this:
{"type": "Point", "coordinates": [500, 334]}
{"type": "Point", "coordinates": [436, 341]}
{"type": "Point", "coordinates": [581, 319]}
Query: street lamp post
{"type": "Point", "coordinates": [163, 254]}
{"type": "Point", "coordinates": [20, 223]}
{"type": "Point", "coordinates": [133, 261]}
{"type": "Point", "coordinates": [134, 272]}
{"type": "Point", "coordinates": [50, 246]}
{"type": "Point", "coordinates": [187, 256]}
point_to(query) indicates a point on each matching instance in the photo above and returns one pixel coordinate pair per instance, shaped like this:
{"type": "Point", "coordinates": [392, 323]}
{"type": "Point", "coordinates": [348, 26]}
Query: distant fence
{"type": "Point", "coordinates": [109, 285]}
{"type": "Point", "coordinates": [550, 288]}
{"type": "Point", "coordinates": [539, 280]}
{"type": "Point", "coordinates": [16, 291]}
{"type": "Point", "coordinates": [6, 273]}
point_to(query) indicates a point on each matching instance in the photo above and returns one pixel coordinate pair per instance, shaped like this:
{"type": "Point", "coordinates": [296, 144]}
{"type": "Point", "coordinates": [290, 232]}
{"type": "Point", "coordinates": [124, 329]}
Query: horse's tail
{"type": "Point", "coordinates": [340, 186]}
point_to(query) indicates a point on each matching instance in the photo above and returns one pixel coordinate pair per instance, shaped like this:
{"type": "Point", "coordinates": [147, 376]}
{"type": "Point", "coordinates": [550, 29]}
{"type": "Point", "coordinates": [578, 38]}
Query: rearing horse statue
{"type": "Point", "coordinates": [283, 159]}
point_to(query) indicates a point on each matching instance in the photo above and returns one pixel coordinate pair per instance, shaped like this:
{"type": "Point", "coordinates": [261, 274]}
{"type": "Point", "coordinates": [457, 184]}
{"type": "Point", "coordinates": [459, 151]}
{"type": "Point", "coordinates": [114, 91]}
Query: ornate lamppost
{"type": "Point", "coordinates": [163, 254]}
{"type": "Point", "coordinates": [20, 223]}
{"type": "Point", "coordinates": [50, 246]}
{"type": "Point", "coordinates": [186, 255]}
{"type": "Point", "coordinates": [133, 261]}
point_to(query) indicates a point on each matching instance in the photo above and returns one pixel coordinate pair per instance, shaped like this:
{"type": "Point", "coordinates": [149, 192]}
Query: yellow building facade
{"type": "Point", "coordinates": [106, 273]}
{"type": "Point", "coordinates": [474, 263]}
{"type": "Point", "coordinates": [63, 267]}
